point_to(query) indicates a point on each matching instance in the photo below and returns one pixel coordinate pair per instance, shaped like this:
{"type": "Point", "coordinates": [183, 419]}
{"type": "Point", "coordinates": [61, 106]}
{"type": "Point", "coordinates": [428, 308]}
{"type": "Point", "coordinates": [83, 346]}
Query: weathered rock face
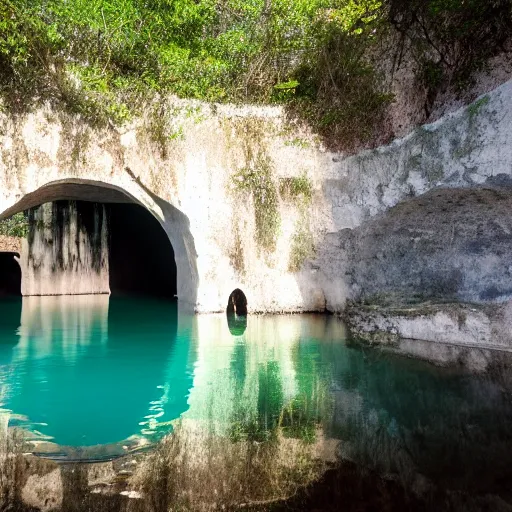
{"type": "Point", "coordinates": [10, 244]}
{"type": "Point", "coordinates": [449, 244]}
{"type": "Point", "coordinates": [250, 202]}
{"type": "Point", "coordinates": [66, 251]}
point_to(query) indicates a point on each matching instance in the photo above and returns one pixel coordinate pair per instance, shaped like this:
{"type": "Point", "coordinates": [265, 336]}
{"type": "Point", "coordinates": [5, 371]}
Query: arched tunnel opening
{"type": "Point", "coordinates": [88, 239]}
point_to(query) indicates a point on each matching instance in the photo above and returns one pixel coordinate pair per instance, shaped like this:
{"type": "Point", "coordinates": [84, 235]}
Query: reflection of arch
{"type": "Point", "coordinates": [100, 339]}
{"type": "Point", "coordinates": [236, 324]}
{"type": "Point", "coordinates": [174, 223]}
{"type": "Point", "coordinates": [237, 302]}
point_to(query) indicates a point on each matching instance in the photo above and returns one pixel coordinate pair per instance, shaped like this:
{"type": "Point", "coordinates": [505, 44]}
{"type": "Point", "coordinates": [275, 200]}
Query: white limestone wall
{"type": "Point", "coordinates": [183, 173]}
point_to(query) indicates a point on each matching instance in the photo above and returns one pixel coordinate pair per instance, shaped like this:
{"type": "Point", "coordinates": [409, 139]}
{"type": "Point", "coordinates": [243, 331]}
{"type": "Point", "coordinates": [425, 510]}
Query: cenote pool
{"type": "Point", "coordinates": [93, 377]}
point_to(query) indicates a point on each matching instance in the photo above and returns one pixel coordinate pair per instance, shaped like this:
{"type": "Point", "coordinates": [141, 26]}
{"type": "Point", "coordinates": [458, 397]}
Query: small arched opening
{"type": "Point", "coordinates": [237, 303]}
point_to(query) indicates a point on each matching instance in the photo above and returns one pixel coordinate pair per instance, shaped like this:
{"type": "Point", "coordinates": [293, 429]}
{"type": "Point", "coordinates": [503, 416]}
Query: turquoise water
{"type": "Point", "coordinates": [96, 371]}
{"type": "Point", "coordinates": [85, 370]}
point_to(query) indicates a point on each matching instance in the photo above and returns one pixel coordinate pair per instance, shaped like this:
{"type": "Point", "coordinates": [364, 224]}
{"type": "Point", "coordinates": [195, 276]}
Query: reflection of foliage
{"type": "Point", "coordinates": [194, 470]}
{"type": "Point", "coordinates": [299, 418]}
{"type": "Point", "coordinates": [299, 422]}
{"type": "Point", "coordinates": [263, 425]}
{"type": "Point", "coordinates": [16, 226]}
{"type": "Point", "coordinates": [270, 445]}
{"type": "Point", "coordinates": [270, 397]}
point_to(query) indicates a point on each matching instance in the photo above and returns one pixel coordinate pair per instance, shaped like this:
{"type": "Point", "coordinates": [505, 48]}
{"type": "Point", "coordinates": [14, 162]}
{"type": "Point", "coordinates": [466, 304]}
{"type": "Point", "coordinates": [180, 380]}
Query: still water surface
{"type": "Point", "coordinates": [93, 370]}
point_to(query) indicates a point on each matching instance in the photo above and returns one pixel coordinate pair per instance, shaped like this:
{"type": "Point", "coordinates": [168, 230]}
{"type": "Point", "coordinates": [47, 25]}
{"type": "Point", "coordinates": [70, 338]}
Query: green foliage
{"type": "Point", "coordinates": [104, 59]}
{"type": "Point", "coordinates": [258, 181]}
{"type": "Point", "coordinates": [296, 187]}
{"type": "Point", "coordinates": [298, 142]}
{"type": "Point", "coordinates": [451, 39]}
{"type": "Point", "coordinates": [302, 247]}
{"type": "Point", "coordinates": [16, 226]}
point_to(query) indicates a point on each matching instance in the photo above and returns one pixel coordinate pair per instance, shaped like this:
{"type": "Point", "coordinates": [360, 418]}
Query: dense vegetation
{"type": "Point", "coordinates": [16, 226]}
{"type": "Point", "coordinates": [105, 58]}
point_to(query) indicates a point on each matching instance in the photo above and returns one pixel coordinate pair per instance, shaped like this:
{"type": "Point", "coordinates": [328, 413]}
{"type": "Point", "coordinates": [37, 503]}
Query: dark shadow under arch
{"type": "Point", "coordinates": [141, 257]}
{"type": "Point", "coordinates": [10, 274]}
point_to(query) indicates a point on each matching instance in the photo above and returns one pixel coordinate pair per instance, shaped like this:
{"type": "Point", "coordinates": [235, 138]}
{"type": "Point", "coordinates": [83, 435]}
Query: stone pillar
{"type": "Point", "coordinates": [66, 250]}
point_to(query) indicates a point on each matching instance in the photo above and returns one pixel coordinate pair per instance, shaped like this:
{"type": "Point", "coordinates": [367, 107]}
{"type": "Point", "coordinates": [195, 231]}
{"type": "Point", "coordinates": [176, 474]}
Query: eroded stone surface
{"type": "Point", "coordinates": [66, 250]}
{"type": "Point", "coordinates": [10, 244]}
{"type": "Point", "coordinates": [44, 492]}
{"type": "Point", "coordinates": [190, 180]}
{"type": "Point", "coordinates": [454, 244]}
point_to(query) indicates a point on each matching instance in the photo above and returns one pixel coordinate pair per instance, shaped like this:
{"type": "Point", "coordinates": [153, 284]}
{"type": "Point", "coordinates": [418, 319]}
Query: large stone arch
{"type": "Point", "coordinates": [174, 223]}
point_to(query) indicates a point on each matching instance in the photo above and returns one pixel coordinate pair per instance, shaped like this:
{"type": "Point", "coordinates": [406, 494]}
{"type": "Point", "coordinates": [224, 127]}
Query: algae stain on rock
{"type": "Point", "coordinates": [256, 180]}
{"type": "Point", "coordinates": [236, 253]}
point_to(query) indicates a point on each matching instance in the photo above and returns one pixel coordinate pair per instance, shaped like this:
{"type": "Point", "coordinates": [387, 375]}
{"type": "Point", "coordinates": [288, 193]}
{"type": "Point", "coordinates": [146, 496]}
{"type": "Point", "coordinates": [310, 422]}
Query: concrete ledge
{"type": "Point", "coordinates": [464, 325]}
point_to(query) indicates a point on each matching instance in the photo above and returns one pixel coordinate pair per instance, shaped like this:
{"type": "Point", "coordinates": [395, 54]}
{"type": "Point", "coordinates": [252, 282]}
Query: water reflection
{"type": "Point", "coordinates": [293, 386]}
{"type": "Point", "coordinates": [88, 370]}
{"type": "Point", "coordinates": [237, 324]}
{"type": "Point", "coordinates": [243, 384]}
{"type": "Point", "coordinates": [257, 411]}
{"type": "Point", "coordinates": [406, 417]}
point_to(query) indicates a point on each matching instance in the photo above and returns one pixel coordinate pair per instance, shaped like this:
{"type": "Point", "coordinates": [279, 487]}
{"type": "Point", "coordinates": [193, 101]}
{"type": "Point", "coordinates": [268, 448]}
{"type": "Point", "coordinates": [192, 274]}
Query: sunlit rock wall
{"type": "Point", "coordinates": [220, 179]}
{"type": "Point", "coordinates": [66, 251]}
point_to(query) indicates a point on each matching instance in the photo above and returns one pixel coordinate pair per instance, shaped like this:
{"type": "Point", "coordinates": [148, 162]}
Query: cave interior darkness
{"type": "Point", "coordinates": [141, 257]}
{"type": "Point", "coordinates": [10, 274]}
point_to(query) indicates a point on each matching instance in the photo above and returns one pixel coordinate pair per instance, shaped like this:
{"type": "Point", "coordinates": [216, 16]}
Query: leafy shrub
{"type": "Point", "coordinates": [104, 58]}
{"type": "Point", "coordinates": [450, 39]}
{"type": "Point", "coordinates": [16, 226]}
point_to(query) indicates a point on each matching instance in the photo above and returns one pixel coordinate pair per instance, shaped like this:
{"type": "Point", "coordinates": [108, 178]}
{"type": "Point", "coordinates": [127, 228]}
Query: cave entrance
{"type": "Point", "coordinates": [10, 274]}
{"type": "Point", "coordinates": [237, 303]}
